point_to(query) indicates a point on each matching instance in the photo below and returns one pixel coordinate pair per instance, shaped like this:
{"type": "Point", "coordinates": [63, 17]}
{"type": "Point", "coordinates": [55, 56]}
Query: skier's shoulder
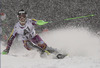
{"type": "Point", "coordinates": [32, 20]}
{"type": "Point", "coordinates": [28, 19]}
{"type": "Point", "coordinates": [16, 25]}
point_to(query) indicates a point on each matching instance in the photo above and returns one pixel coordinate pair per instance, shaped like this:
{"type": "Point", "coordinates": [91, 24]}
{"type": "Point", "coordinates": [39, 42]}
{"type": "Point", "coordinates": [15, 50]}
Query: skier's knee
{"type": "Point", "coordinates": [42, 44]}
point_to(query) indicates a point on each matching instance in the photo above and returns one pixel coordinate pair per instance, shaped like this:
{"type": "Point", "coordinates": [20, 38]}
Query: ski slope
{"type": "Point", "coordinates": [82, 46]}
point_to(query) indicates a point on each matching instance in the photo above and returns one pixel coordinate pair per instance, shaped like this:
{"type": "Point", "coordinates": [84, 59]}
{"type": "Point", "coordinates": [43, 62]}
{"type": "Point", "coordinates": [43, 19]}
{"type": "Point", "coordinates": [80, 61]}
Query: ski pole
{"type": "Point", "coordinates": [79, 17]}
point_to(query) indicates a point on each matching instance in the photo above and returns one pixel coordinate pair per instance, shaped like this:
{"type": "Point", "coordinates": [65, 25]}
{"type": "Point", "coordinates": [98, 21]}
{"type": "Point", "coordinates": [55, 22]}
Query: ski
{"type": "Point", "coordinates": [57, 54]}
{"type": "Point", "coordinates": [61, 56]}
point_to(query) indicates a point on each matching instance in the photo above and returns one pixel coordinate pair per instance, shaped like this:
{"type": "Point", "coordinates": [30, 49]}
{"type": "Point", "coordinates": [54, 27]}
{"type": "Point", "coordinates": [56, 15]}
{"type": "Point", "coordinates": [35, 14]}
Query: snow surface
{"type": "Point", "coordinates": [82, 46]}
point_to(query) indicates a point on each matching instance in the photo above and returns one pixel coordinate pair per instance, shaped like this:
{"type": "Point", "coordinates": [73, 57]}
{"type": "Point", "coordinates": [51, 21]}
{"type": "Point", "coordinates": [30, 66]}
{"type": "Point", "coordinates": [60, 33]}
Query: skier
{"type": "Point", "coordinates": [25, 29]}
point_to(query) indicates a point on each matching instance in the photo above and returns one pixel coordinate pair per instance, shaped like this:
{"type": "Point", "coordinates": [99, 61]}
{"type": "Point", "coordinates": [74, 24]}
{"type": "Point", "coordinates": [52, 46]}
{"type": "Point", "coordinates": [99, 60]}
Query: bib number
{"type": "Point", "coordinates": [26, 33]}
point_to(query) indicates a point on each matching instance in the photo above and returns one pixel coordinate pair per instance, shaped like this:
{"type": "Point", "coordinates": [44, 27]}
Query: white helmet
{"type": "Point", "coordinates": [20, 14]}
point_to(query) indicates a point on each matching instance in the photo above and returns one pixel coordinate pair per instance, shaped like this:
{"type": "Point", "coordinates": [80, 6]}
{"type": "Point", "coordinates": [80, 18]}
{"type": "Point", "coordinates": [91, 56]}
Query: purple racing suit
{"type": "Point", "coordinates": [26, 33]}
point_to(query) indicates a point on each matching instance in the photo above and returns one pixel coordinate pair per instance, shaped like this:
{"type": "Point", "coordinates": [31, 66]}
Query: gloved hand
{"type": "Point", "coordinates": [6, 51]}
{"type": "Point", "coordinates": [41, 22]}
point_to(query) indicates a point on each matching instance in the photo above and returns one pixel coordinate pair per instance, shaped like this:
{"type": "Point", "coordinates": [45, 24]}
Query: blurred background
{"type": "Point", "coordinates": [52, 11]}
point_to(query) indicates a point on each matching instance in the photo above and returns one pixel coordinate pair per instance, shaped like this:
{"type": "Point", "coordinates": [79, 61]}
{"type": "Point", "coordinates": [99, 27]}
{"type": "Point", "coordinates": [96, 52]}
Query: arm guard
{"type": "Point", "coordinates": [9, 43]}
{"type": "Point", "coordinates": [34, 22]}
{"type": "Point", "coordinates": [11, 38]}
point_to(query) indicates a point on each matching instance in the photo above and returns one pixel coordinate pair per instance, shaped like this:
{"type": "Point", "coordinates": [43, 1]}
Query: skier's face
{"type": "Point", "coordinates": [22, 15]}
{"type": "Point", "coordinates": [22, 19]}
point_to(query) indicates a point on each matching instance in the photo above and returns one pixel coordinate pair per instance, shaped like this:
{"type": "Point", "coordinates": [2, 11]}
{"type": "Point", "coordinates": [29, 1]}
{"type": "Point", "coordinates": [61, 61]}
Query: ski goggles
{"type": "Point", "coordinates": [22, 15]}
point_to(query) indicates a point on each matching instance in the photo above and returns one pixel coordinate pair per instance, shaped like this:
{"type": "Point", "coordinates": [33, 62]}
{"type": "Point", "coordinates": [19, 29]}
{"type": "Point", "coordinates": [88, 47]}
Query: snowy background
{"type": "Point", "coordinates": [78, 37]}
{"type": "Point", "coordinates": [54, 11]}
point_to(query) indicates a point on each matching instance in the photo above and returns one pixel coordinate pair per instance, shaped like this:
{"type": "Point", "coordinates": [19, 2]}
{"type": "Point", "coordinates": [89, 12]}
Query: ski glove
{"type": "Point", "coordinates": [41, 22]}
{"type": "Point", "coordinates": [6, 51]}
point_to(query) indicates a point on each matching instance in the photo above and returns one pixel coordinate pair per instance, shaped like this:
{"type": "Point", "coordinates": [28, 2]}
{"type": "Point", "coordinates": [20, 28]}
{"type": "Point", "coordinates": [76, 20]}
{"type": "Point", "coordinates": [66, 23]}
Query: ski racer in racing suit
{"type": "Point", "coordinates": [25, 29]}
